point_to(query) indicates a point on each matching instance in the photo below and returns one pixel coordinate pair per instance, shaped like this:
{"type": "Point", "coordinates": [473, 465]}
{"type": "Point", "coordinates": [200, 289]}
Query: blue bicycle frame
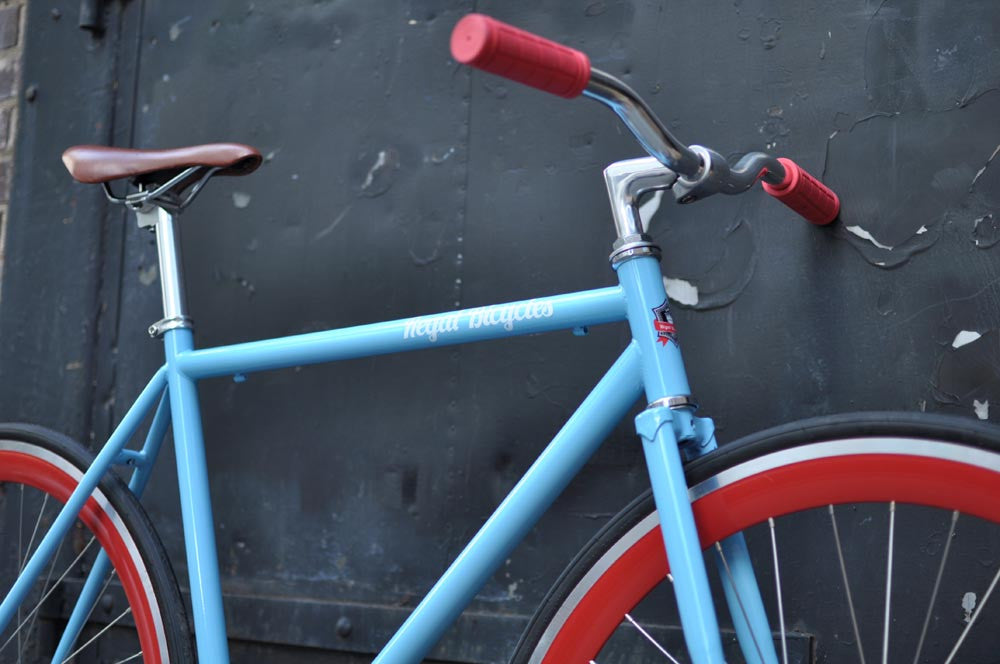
{"type": "Point", "coordinates": [651, 364]}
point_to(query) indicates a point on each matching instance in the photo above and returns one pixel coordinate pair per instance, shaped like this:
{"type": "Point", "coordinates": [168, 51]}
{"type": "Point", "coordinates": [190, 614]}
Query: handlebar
{"type": "Point", "coordinates": [502, 49]}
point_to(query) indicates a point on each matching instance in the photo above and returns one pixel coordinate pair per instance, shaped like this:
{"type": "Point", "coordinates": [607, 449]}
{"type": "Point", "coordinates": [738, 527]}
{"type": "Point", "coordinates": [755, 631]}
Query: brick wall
{"type": "Point", "coordinates": [12, 18]}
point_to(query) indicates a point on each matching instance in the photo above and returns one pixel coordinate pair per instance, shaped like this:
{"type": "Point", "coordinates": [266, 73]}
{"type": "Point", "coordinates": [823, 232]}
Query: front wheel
{"type": "Point", "coordinates": [138, 615]}
{"type": "Point", "coordinates": [874, 537]}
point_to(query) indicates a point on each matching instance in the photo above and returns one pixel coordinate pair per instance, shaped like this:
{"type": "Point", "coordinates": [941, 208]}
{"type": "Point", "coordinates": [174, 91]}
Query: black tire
{"type": "Point", "coordinates": [61, 458]}
{"type": "Point", "coordinates": [797, 438]}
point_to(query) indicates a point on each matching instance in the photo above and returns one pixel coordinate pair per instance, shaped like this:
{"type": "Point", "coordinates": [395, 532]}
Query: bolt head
{"type": "Point", "coordinates": [344, 627]}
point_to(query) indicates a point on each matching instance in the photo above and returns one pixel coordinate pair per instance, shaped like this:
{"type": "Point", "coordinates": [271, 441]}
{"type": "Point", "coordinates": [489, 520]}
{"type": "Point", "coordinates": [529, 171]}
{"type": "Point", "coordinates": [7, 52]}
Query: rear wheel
{"type": "Point", "coordinates": [874, 538]}
{"type": "Point", "coordinates": [138, 615]}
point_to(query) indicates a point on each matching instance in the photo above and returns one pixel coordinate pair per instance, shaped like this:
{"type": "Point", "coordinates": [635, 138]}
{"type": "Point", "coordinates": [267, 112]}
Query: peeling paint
{"type": "Point", "coordinates": [968, 605]}
{"type": "Point", "coordinates": [437, 158]}
{"type": "Point", "coordinates": [981, 409]}
{"type": "Point", "coordinates": [720, 270]}
{"type": "Point", "coordinates": [177, 28]}
{"type": "Point", "coordinates": [877, 162]}
{"type": "Point", "coordinates": [148, 275]}
{"type": "Point", "coordinates": [905, 70]}
{"type": "Point", "coordinates": [333, 225]}
{"type": "Point", "coordinates": [965, 337]}
{"type": "Point", "coordinates": [380, 162]}
{"type": "Point", "coordinates": [865, 235]}
{"type": "Point", "coordinates": [982, 170]}
{"type": "Point", "coordinates": [681, 291]}
{"type": "Point", "coordinates": [380, 176]}
{"type": "Point", "coordinates": [966, 369]}
{"type": "Point", "coordinates": [649, 208]}
{"type": "Point", "coordinates": [986, 231]}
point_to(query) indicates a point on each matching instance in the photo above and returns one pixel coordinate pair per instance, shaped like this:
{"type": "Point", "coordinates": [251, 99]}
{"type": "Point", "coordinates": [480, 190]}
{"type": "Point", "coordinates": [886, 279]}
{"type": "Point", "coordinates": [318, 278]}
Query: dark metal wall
{"type": "Point", "coordinates": [398, 183]}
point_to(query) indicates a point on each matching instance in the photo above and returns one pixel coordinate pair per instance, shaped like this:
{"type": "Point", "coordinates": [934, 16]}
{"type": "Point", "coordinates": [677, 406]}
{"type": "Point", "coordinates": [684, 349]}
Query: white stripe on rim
{"type": "Point", "coordinates": [76, 474]}
{"type": "Point", "coordinates": [847, 447]}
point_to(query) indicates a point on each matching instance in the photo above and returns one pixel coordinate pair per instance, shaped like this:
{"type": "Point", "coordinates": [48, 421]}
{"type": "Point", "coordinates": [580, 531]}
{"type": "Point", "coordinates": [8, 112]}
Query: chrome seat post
{"type": "Point", "coordinates": [168, 250]}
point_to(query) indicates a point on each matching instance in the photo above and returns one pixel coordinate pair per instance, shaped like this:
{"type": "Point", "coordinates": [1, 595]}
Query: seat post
{"type": "Point", "coordinates": [168, 249]}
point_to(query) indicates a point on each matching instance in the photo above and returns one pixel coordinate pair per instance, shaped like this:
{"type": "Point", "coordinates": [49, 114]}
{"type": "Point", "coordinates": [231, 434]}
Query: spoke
{"type": "Point", "coordinates": [17, 630]}
{"type": "Point", "coordinates": [104, 589]}
{"type": "Point", "coordinates": [34, 531]}
{"type": "Point", "coordinates": [139, 654]}
{"type": "Point", "coordinates": [937, 585]}
{"type": "Point", "coordinates": [98, 635]}
{"type": "Point", "coordinates": [972, 621]}
{"type": "Point", "coordinates": [48, 577]}
{"type": "Point", "coordinates": [732, 584]}
{"type": "Point", "coordinates": [651, 639]}
{"type": "Point", "coordinates": [777, 584]}
{"type": "Point", "coordinates": [888, 585]}
{"type": "Point", "coordinates": [93, 605]}
{"type": "Point", "coordinates": [847, 586]}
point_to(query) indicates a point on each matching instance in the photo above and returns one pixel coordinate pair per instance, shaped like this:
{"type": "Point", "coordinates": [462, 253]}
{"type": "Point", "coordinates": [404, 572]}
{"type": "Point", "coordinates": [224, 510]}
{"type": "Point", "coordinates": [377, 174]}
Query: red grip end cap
{"type": "Point", "coordinates": [805, 194]}
{"type": "Point", "coordinates": [501, 49]}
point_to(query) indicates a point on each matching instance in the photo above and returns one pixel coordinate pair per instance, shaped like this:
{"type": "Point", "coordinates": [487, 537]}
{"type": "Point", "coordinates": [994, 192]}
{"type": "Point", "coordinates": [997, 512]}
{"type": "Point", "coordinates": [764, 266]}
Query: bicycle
{"type": "Point", "coordinates": [942, 463]}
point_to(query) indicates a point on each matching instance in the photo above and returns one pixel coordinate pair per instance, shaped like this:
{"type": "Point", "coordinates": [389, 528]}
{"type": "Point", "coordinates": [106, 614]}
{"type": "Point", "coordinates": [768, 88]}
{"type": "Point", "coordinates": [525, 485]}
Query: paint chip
{"type": "Point", "coordinates": [968, 605]}
{"type": "Point", "coordinates": [648, 209]}
{"type": "Point", "coordinates": [177, 28]}
{"type": "Point", "coordinates": [380, 162]}
{"type": "Point", "coordinates": [333, 225]}
{"type": "Point", "coordinates": [865, 235]}
{"type": "Point", "coordinates": [681, 291]}
{"type": "Point", "coordinates": [148, 275]}
{"type": "Point", "coordinates": [965, 337]}
{"type": "Point", "coordinates": [241, 199]}
{"type": "Point", "coordinates": [981, 408]}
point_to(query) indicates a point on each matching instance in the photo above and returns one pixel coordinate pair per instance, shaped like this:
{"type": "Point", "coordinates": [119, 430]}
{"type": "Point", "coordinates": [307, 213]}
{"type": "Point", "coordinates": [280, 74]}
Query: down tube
{"type": "Point", "coordinates": [579, 438]}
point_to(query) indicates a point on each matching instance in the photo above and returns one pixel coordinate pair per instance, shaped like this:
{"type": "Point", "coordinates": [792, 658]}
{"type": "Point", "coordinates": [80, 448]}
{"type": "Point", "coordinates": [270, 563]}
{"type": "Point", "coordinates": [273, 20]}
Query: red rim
{"type": "Point", "coordinates": [747, 502]}
{"type": "Point", "coordinates": [42, 475]}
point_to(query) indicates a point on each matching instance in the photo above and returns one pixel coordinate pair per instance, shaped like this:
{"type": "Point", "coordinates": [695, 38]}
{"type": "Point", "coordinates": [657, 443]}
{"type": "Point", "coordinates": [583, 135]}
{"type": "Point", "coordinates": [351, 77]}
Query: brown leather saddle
{"type": "Point", "coordinates": [167, 172]}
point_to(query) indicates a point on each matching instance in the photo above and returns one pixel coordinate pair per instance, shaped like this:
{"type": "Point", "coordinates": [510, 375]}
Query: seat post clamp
{"type": "Point", "coordinates": [159, 327]}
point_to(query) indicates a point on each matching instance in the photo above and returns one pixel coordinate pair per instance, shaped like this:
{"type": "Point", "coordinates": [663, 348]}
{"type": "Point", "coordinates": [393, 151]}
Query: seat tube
{"type": "Point", "coordinates": [662, 426]}
{"type": "Point", "coordinates": [196, 506]}
{"type": "Point", "coordinates": [189, 444]}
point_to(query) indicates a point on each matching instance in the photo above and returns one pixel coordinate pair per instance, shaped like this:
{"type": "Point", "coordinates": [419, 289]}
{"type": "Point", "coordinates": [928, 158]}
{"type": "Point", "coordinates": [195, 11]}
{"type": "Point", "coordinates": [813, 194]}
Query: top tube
{"type": "Point", "coordinates": [544, 314]}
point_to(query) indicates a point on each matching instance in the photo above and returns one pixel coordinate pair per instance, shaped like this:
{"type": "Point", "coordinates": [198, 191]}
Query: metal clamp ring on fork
{"type": "Point", "coordinates": [159, 327]}
{"type": "Point", "coordinates": [681, 401]}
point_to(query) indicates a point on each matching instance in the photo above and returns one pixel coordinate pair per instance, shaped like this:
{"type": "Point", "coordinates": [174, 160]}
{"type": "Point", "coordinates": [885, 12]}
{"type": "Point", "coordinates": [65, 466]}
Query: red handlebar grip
{"type": "Point", "coordinates": [507, 51]}
{"type": "Point", "coordinates": [805, 194]}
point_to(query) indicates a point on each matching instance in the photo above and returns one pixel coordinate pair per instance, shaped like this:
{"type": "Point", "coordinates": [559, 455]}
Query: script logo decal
{"type": "Point", "coordinates": [505, 315]}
